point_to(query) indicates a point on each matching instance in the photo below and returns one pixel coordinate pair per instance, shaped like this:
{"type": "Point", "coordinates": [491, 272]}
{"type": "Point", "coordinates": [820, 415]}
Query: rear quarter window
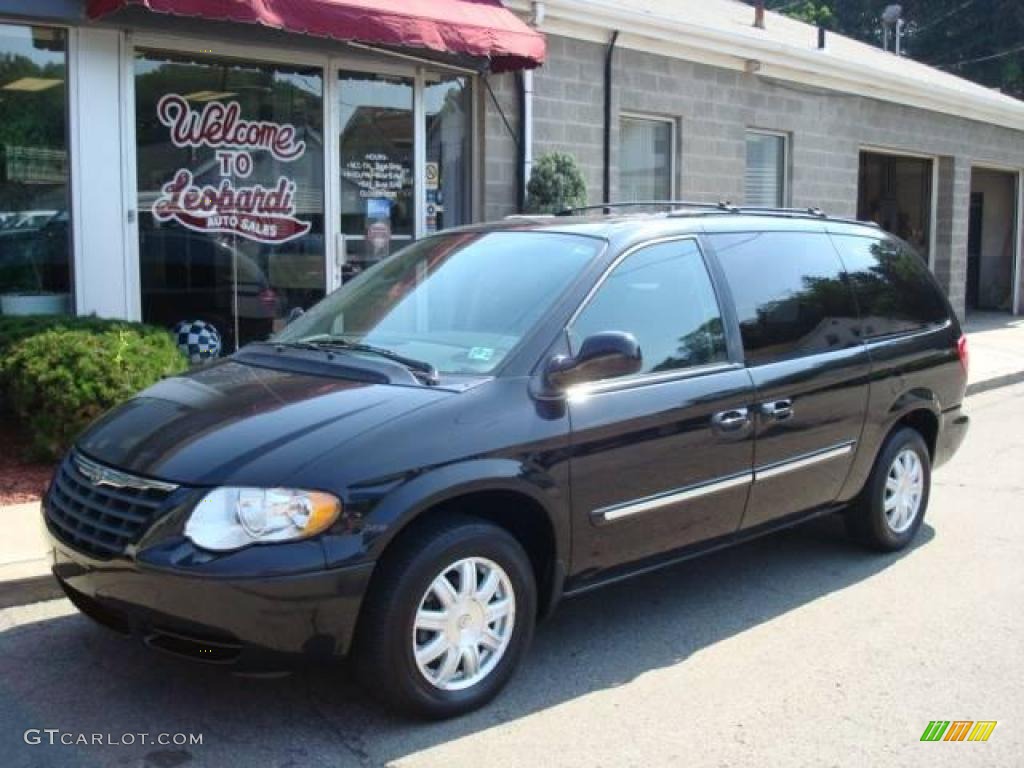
{"type": "Point", "coordinates": [895, 292]}
{"type": "Point", "coordinates": [790, 291]}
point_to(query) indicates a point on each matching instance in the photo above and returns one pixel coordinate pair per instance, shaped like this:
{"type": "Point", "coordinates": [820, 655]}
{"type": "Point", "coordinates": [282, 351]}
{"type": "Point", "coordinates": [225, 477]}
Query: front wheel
{"type": "Point", "coordinates": [891, 508]}
{"type": "Point", "coordinates": [447, 619]}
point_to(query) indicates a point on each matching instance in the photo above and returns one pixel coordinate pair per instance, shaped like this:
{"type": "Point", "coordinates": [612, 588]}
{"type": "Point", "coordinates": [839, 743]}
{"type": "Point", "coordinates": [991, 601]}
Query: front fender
{"type": "Point", "coordinates": [403, 501]}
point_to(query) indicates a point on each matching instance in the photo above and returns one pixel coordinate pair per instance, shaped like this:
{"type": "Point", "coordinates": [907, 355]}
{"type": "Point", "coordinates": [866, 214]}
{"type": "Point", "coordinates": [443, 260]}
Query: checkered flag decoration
{"type": "Point", "coordinates": [198, 340]}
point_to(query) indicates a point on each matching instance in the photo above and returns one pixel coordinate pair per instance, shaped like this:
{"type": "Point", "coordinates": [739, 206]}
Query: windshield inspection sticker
{"type": "Point", "coordinates": [481, 354]}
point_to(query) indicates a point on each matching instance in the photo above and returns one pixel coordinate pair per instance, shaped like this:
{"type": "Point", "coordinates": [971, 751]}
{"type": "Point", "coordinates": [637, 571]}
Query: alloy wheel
{"type": "Point", "coordinates": [464, 623]}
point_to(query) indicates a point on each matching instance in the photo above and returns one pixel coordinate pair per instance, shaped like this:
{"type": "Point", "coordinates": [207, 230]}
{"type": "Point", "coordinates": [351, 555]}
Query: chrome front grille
{"type": "Point", "coordinates": [99, 510]}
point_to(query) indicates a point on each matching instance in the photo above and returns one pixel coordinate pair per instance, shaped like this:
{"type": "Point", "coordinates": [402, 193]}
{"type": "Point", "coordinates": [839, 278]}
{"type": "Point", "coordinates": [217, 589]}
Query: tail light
{"type": "Point", "coordinates": [962, 353]}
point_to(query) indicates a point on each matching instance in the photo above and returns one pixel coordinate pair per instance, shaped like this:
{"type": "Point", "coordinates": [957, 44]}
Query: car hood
{"type": "Point", "coordinates": [241, 424]}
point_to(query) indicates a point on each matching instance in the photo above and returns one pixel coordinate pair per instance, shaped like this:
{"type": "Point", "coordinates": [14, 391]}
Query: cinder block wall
{"type": "Point", "coordinates": [714, 107]}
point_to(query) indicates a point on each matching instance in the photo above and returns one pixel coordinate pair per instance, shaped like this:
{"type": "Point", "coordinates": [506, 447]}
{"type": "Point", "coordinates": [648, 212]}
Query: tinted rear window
{"type": "Point", "coordinates": [790, 293]}
{"type": "Point", "coordinates": [894, 290]}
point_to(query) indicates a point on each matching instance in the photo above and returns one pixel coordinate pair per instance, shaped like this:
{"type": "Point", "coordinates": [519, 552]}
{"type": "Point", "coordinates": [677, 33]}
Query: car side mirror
{"type": "Point", "coordinates": [294, 314]}
{"type": "Point", "coordinates": [602, 356]}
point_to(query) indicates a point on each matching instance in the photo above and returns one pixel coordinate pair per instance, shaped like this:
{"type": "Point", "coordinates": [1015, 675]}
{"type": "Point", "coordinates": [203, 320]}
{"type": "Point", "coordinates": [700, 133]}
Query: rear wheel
{"type": "Point", "coordinates": [447, 619]}
{"type": "Point", "coordinates": [891, 508]}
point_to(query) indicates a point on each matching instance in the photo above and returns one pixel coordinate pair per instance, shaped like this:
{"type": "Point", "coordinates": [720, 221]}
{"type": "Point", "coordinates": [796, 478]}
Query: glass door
{"type": "Point", "coordinates": [230, 161]}
{"type": "Point", "coordinates": [384, 120]}
{"type": "Point", "coordinates": [376, 140]}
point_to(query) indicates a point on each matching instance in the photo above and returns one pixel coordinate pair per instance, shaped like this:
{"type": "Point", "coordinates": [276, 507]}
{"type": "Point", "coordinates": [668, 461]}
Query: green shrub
{"type": "Point", "coordinates": [59, 380]}
{"type": "Point", "coordinates": [556, 183]}
{"type": "Point", "coordinates": [14, 328]}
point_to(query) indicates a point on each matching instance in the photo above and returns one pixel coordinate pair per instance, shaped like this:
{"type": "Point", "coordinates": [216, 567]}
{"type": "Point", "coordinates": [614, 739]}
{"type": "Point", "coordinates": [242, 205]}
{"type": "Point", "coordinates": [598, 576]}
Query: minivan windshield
{"type": "Point", "coordinates": [459, 302]}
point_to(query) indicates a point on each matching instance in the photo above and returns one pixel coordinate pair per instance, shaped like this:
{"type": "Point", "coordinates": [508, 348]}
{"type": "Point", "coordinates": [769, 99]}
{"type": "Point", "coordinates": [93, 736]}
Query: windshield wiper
{"type": "Point", "coordinates": [427, 373]}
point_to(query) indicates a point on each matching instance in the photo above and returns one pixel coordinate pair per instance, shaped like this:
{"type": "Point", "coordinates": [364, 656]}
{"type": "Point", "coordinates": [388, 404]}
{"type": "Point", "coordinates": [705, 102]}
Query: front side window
{"type": "Point", "coordinates": [646, 158]}
{"type": "Point", "coordinates": [765, 179]}
{"type": "Point", "coordinates": [35, 258]}
{"type": "Point", "coordinates": [894, 291]}
{"type": "Point", "coordinates": [460, 302]}
{"type": "Point", "coordinates": [791, 295]}
{"type": "Point", "coordinates": [661, 294]}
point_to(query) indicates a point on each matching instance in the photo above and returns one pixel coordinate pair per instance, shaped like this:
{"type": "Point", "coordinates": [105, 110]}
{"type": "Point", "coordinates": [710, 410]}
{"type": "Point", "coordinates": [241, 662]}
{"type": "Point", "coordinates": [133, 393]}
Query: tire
{"type": "Point", "coordinates": [390, 629]}
{"type": "Point", "coordinates": [867, 521]}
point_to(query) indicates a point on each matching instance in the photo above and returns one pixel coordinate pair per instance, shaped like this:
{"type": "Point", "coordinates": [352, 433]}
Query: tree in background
{"type": "Point", "coordinates": [556, 183]}
{"type": "Point", "coordinates": [981, 40]}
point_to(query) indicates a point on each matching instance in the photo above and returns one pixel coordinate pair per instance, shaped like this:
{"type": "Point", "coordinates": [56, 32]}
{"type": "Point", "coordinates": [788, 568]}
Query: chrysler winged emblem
{"type": "Point", "coordinates": [100, 475]}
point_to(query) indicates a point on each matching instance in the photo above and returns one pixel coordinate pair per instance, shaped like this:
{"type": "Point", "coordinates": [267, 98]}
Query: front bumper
{"type": "Point", "coordinates": [252, 623]}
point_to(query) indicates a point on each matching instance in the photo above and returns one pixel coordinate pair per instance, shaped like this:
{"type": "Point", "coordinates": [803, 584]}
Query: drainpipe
{"type": "Point", "coordinates": [524, 150]}
{"type": "Point", "coordinates": [608, 57]}
{"type": "Point", "coordinates": [526, 117]}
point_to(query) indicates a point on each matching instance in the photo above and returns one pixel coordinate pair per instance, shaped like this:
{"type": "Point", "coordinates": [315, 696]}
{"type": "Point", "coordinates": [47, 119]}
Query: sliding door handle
{"type": "Point", "coordinates": [732, 420]}
{"type": "Point", "coordinates": [780, 410]}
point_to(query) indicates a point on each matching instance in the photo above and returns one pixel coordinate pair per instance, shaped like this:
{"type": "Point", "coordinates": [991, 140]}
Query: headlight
{"type": "Point", "coordinates": [230, 518]}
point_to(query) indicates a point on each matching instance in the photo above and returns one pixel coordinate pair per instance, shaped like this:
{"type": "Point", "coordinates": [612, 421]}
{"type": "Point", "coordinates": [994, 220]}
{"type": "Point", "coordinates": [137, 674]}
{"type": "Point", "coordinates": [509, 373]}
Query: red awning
{"type": "Point", "coordinates": [479, 28]}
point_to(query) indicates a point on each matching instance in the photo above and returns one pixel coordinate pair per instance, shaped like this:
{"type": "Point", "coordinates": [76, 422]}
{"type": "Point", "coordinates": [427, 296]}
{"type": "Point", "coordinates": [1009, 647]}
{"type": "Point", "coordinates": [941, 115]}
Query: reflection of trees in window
{"type": "Point", "coordinates": [891, 285]}
{"type": "Point", "coordinates": [34, 255]}
{"type": "Point", "coordinates": [31, 118]}
{"type": "Point", "coordinates": [820, 316]}
{"type": "Point", "coordinates": [703, 345]}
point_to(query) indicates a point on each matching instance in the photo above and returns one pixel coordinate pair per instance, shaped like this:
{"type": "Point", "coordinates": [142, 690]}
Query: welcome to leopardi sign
{"type": "Point", "coordinates": [256, 212]}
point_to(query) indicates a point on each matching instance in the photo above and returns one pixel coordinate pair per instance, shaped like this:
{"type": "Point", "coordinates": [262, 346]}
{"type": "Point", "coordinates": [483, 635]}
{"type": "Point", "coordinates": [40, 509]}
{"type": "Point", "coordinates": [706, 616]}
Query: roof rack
{"type": "Point", "coordinates": [607, 207]}
{"type": "Point", "coordinates": [723, 205]}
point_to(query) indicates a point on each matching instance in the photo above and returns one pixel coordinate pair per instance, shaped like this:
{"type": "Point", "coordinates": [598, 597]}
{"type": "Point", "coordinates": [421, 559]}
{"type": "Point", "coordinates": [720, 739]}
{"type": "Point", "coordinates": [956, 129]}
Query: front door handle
{"type": "Point", "coordinates": [732, 420]}
{"type": "Point", "coordinates": [780, 410]}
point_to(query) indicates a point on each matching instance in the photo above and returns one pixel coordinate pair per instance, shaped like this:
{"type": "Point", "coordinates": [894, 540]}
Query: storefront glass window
{"type": "Point", "coordinates": [230, 193]}
{"type": "Point", "coordinates": [447, 176]}
{"type": "Point", "coordinates": [376, 142]}
{"type": "Point", "coordinates": [35, 272]}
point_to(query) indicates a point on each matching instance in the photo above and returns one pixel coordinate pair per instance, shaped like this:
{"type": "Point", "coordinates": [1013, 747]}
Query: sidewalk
{"type": "Point", "coordinates": [996, 360]}
{"type": "Point", "coordinates": [996, 348]}
{"type": "Point", "coordinates": [24, 562]}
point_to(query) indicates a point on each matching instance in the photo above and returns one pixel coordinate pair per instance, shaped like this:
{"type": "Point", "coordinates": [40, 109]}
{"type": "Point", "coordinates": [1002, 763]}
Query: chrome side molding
{"type": "Point", "coordinates": [804, 461]}
{"type": "Point", "coordinates": [689, 493]}
{"type": "Point", "coordinates": [619, 511]}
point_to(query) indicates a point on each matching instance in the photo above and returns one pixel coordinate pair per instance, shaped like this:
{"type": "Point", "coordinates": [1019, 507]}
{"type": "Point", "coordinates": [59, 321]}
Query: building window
{"type": "Point", "coordinates": [765, 181]}
{"type": "Point", "coordinates": [35, 260]}
{"type": "Point", "coordinates": [448, 172]}
{"type": "Point", "coordinates": [646, 158]}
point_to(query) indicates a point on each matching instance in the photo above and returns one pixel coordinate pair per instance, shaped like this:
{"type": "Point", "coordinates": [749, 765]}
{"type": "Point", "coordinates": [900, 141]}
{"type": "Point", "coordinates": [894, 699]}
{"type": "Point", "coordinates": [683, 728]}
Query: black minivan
{"type": "Point", "coordinates": [500, 416]}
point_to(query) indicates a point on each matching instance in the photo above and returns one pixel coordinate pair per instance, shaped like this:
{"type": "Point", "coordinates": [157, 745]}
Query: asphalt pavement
{"type": "Point", "coordinates": [795, 650]}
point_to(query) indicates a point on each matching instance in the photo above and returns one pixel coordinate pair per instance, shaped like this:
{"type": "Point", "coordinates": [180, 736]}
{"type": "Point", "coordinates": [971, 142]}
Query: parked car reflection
{"type": "Point", "coordinates": [190, 276]}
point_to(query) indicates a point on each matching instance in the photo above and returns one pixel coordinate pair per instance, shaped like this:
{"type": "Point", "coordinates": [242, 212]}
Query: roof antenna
{"type": "Point", "coordinates": [892, 21]}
